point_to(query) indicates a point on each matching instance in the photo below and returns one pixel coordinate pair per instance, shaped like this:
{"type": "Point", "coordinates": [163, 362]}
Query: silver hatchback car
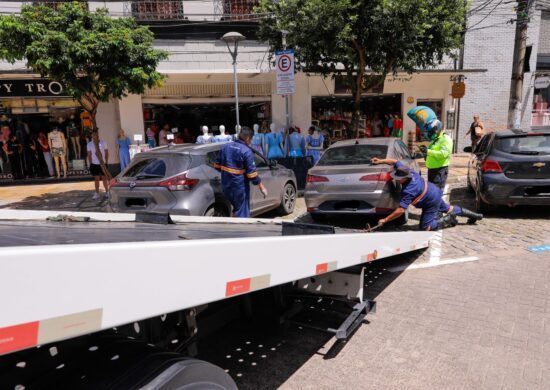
{"type": "Point", "coordinates": [345, 182]}
{"type": "Point", "coordinates": [181, 179]}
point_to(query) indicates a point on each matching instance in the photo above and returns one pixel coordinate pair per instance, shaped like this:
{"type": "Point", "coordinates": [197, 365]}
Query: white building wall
{"type": "Point", "coordinates": [131, 116]}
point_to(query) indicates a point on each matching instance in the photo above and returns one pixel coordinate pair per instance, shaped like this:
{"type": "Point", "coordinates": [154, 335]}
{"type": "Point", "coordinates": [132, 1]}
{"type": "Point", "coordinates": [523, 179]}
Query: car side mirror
{"type": "Point", "coordinates": [418, 155]}
{"type": "Point", "coordinates": [272, 164]}
{"type": "Point", "coordinates": [467, 149]}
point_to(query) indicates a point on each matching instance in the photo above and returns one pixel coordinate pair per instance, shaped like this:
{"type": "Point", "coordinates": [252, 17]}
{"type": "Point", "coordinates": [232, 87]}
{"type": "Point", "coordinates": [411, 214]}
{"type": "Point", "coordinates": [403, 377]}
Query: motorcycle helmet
{"type": "Point", "coordinates": [433, 128]}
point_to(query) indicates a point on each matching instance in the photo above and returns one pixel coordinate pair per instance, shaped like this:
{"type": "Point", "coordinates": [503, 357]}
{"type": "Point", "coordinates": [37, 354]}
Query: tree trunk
{"type": "Point", "coordinates": [90, 103]}
{"type": "Point", "coordinates": [358, 83]}
{"type": "Point", "coordinates": [98, 149]}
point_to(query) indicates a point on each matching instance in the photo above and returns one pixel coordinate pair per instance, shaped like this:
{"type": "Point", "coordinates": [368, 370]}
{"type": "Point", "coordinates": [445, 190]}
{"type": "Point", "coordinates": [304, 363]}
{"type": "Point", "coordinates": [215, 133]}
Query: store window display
{"type": "Point", "coordinates": [205, 138]}
{"type": "Point", "coordinates": [46, 153]}
{"type": "Point", "coordinates": [13, 149]}
{"type": "Point", "coordinates": [314, 144]}
{"type": "Point", "coordinates": [258, 139]}
{"type": "Point", "coordinates": [222, 137]}
{"type": "Point", "coordinates": [297, 143]}
{"type": "Point", "coordinates": [74, 135]}
{"type": "Point", "coordinates": [274, 143]}
{"type": "Point", "coordinates": [58, 147]}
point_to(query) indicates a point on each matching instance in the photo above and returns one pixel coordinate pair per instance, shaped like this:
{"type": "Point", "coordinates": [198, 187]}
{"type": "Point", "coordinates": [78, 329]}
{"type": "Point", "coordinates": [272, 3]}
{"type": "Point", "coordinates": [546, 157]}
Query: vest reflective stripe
{"type": "Point", "coordinates": [232, 170]}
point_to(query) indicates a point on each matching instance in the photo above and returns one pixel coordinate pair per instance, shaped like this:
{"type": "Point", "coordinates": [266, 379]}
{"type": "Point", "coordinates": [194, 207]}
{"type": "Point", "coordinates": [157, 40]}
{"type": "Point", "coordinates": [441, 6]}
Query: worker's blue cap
{"type": "Point", "coordinates": [403, 172]}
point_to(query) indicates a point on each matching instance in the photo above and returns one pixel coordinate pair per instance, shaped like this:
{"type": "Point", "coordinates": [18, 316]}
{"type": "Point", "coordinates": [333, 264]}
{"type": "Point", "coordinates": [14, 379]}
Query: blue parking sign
{"type": "Point", "coordinates": [541, 248]}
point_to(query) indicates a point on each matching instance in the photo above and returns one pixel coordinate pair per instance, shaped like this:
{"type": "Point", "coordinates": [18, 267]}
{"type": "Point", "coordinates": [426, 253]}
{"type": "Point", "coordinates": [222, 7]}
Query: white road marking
{"type": "Point", "coordinates": [430, 265]}
{"type": "Point", "coordinates": [437, 240]}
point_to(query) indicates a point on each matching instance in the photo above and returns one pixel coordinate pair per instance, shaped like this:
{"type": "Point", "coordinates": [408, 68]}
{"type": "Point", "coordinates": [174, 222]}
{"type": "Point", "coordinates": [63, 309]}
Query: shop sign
{"type": "Point", "coordinates": [371, 84]}
{"type": "Point", "coordinates": [459, 90]}
{"type": "Point", "coordinates": [284, 69]}
{"type": "Point", "coordinates": [31, 88]}
{"type": "Point", "coordinates": [542, 82]}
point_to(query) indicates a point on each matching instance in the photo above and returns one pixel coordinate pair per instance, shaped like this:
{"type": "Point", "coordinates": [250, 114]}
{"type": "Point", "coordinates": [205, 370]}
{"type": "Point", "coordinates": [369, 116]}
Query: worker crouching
{"type": "Point", "coordinates": [427, 196]}
{"type": "Point", "coordinates": [236, 163]}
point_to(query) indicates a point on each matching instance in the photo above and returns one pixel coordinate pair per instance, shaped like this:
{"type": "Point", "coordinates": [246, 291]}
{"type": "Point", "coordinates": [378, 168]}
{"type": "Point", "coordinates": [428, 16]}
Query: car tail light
{"type": "Point", "coordinates": [316, 179]}
{"type": "Point", "coordinates": [179, 183]}
{"type": "Point", "coordinates": [383, 176]}
{"type": "Point", "coordinates": [312, 209]}
{"type": "Point", "coordinates": [490, 166]}
{"type": "Point", "coordinates": [382, 210]}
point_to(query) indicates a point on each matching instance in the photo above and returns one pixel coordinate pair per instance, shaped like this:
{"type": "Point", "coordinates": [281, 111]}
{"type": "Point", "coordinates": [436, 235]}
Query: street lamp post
{"type": "Point", "coordinates": [233, 38]}
{"type": "Point", "coordinates": [284, 33]}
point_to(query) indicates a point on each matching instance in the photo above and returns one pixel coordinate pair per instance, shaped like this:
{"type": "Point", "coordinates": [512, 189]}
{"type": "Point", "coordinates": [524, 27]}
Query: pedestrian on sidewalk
{"type": "Point", "coordinates": [95, 166]}
{"type": "Point", "coordinates": [424, 195]}
{"type": "Point", "coordinates": [236, 163]}
{"type": "Point", "coordinates": [477, 130]}
{"type": "Point", "coordinates": [123, 149]}
{"type": "Point", "coordinates": [438, 153]}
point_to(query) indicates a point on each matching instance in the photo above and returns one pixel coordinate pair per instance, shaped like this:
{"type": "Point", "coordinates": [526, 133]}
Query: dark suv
{"type": "Point", "coordinates": [181, 179]}
{"type": "Point", "coordinates": [511, 167]}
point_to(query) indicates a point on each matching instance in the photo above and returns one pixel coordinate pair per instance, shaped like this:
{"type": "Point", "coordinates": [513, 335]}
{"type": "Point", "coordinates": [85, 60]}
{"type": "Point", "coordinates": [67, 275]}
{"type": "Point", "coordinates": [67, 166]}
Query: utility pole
{"type": "Point", "coordinates": [516, 97]}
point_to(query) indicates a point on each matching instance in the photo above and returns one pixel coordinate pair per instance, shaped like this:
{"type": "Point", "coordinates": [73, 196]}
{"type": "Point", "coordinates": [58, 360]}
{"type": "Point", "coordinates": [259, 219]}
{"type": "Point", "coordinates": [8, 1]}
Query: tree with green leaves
{"type": "Point", "coordinates": [364, 37]}
{"type": "Point", "coordinates": [95, 56]}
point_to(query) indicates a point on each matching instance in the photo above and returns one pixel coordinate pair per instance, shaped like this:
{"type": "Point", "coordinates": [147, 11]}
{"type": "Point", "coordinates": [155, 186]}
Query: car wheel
{"type": "Point", "coordinates": [288, 199]}
{"type": "Point", "coordinates": [216, 211]}
{"type": "Point", "coordinates": [481, 206]}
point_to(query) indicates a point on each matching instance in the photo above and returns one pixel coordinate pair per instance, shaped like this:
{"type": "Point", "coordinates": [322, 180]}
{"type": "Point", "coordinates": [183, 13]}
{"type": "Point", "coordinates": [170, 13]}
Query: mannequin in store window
{"type": "Point", "coordinates": [13, 149]}
{"type": "Point", "coordinates": [150, 134]}
{"type": "Point", "coordinates": [273, 143]}
{"type": "Point", "coordinates": [58, 147]}
{"type": "Point", "coordinates": [205, 138]}
{"type": "Point", "coordinates": [222, 137]}
{"type": "Point", "coordinates": [237, 131]}
{"type": "Point", "coordinates": [297, 143]}
{"type": "Point", "coordinates": [397, 126]}
{"type": "Point", "coordinates": [74, 135]}
{"type": "Point", "coordinates": [86, 123]}
{"type": "Point", "coordinates": [257, 139]}
{"type": "Point", "coordinates": [314, 144]}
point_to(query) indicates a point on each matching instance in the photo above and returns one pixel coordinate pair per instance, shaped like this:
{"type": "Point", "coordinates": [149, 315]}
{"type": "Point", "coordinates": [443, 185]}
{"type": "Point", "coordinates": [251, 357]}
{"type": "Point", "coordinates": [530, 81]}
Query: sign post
{"type": "Point", "coordinates": [284, 68]}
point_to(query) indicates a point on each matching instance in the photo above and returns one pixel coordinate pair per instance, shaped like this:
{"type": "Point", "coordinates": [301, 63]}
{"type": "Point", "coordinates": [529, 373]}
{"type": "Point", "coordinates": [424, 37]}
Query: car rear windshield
{"type": "Point", "coordinates": [525, 144]}
{"type": "Point", "coordinates": [156, 167]}
{"type": "Point", "coordinates": [352, 154]}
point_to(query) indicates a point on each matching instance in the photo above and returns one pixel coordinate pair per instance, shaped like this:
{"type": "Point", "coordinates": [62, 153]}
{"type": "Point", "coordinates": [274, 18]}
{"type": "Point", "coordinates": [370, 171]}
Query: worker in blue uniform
{"type": "Point", "coordinates": [425, 195]}
{"type": "Point", "coordinates": [236, 163]}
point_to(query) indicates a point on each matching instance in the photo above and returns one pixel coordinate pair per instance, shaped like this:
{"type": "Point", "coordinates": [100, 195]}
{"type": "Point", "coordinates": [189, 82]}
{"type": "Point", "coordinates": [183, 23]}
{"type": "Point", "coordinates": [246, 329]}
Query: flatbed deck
{"type": "Point", "coordinates": [65, 279]}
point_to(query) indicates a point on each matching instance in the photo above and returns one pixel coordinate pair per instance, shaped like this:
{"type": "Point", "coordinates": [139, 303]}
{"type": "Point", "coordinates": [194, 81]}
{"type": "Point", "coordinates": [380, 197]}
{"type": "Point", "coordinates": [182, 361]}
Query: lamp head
{"type": "Point", "coordinates": [233, 37]}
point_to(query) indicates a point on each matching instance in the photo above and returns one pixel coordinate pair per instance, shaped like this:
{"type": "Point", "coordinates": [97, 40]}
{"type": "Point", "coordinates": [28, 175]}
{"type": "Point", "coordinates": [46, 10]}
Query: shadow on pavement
{"type": "Point", "coordinates": [65, 201]}
{"type": "Point", "coordinates": [259, 355]}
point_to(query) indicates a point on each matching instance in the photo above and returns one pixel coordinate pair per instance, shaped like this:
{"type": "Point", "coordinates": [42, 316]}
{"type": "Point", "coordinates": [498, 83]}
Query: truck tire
{"type": "Point", "coordinates": [192, 374]}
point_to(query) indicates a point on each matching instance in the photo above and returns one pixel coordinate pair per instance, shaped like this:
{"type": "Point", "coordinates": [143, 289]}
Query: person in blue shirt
{"type": "Point", "coordinates": [425, 195]}
{"type": "Point", "coordinates": [123, 144]}
{"type": "Point", "coordinates": [236, 163]}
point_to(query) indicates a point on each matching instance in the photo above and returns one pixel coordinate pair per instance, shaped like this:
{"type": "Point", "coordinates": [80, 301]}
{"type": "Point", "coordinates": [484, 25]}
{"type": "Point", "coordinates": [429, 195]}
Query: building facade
{"type": "Point", "coordinates": [489, 42]}
{"type": "Point", "coordinates": [199, 91]}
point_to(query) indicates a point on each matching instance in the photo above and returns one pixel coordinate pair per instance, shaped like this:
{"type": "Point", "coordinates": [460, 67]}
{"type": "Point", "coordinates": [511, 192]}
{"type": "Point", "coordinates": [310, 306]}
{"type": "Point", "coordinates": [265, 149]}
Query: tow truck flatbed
{"type": "Point", "coordinates": [65, 279]}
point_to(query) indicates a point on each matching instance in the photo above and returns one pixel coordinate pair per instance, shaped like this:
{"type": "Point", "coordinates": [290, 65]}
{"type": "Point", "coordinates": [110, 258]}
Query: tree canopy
{"type": "Point", "coordinates": [360, 36]}
{"type": "Point", "coordinates": [95, 56]}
